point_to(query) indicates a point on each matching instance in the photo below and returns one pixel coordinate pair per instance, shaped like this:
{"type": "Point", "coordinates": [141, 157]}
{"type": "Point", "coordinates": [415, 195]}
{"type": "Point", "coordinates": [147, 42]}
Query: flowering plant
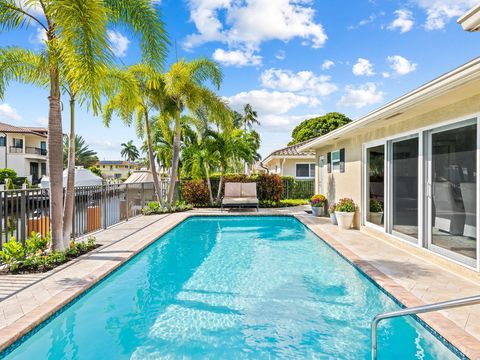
{"type": "Point", "coordinates": [345, 205]}
{"type": "Point", "coordinates": [376, 205]}
{"type": "Point", "coordinates": [318, 200]}
{"type": "Point", "coordinates": [331, 208]}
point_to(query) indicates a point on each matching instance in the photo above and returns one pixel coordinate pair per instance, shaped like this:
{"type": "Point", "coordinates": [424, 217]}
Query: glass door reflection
{"type": "Point", "coordinates": [376, 184]}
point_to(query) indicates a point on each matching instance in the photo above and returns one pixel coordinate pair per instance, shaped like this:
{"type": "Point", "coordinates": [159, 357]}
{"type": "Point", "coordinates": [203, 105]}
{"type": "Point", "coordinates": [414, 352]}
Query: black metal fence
{"type": "Point", "coordinates": [96, 207]}
{"type": "Point", "coordinates": [297, 189]}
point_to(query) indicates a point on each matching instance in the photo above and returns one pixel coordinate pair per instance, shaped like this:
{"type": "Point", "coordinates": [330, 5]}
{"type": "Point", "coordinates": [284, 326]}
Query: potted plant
{"type": "Point", "coordinates": [331, 211]}
{"type": "Point", "coordinates": [344, 211]}
{"type": "Point", "coordinates": [376, 212]}
{"type": "Point", "coordinates": [318, 203]}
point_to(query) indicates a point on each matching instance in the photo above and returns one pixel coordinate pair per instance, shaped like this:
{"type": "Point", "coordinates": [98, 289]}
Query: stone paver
{"type": "Point", "coordinates": [412, 276]}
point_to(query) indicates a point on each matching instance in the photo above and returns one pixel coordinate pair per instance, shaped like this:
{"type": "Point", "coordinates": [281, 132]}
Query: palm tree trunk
{"type": "Point", "coordinates": [209, 184]}
{"type": "Point", "coordinates": [55, 162]}
{"type": "Point", "coordinates": [220, 185]}
{"type": "Point", "coordinates": [70, 190]}
{"type": "Point", "coordinates": [151, 160]}
{"type": "Point", "coordinates": [175, 158]}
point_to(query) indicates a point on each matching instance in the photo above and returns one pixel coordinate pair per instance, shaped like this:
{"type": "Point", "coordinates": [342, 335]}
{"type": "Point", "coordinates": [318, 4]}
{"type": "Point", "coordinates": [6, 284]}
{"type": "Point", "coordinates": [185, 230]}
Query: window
{"type": "Point", "coordinates": [44, 169]}
{"type": "Point", "coordinates": [3, 141]}
{"type": "Point", "coordinates": [305, 171]}
{"type": "Point", "coordinates": [18, 143]}
{"type": "Point", "coordinates": [43, 147]}
{"type": "Point", "coordinates": [118, 176]}
{"type": "Point", "coordinates": [336, 160]}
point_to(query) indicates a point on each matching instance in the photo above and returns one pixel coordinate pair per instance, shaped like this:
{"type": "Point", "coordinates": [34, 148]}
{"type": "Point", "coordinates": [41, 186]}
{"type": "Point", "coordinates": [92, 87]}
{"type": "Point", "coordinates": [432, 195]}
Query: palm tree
{"type": "Point", "coordinates": [249, 117]}
{"type": "Point", "coordinates": [77, 48]}
{"type": "Point", "coordinates": [131, 96]}
{"type": "Point", "coordinates": [129, 152]}
{"type": "Point", "coordinates": [84, 156]}
{"type": "Point", "coordinates": [186, 90]}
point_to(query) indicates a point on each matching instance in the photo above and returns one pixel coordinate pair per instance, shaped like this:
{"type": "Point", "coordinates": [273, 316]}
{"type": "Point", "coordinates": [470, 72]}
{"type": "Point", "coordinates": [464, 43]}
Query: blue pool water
{"type": "Point", "coordinates": [231, 288]}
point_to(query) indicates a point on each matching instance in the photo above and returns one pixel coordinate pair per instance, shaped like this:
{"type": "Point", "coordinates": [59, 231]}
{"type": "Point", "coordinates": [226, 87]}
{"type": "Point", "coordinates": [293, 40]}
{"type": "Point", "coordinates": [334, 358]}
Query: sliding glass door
{"type": "Point", "coordinates": [404, 187]}
{"type": "Point", "coordinates": [452, 191]}
{"type": "Point", "coordinates": [375, 185]}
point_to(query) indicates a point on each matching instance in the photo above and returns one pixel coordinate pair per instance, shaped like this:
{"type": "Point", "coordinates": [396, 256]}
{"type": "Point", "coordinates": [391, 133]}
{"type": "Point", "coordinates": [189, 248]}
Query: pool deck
{"type": "Point", "coordinates": [411, 275]}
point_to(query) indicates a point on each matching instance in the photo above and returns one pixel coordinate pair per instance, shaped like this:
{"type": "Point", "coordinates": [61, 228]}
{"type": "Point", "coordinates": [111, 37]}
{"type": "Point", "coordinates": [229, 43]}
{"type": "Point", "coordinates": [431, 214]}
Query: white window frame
{"type": "Point", "coordinates": [337, 162]}
{"type": "Point", "coordinates": [310, 171]}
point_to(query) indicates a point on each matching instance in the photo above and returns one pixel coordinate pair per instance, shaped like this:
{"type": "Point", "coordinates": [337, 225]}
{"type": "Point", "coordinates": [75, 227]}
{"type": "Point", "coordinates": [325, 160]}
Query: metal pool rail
{"type": "Point", "coordinates": [472, 300]}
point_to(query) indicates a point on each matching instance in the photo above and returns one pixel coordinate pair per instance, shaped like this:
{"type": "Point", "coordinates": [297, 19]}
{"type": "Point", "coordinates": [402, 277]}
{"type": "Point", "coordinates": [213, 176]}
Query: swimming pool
{"type": "Point", "coordinates": [231, 287]}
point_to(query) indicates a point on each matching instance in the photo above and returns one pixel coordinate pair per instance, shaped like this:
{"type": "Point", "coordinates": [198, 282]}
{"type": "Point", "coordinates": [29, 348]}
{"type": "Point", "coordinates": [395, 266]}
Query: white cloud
{"type": "Point", "coordinates": [39, 37]}
{"type": "Point", "coordinates": [282, 122]}
{"type": "Point", "coordinates": [327, 64]}
{"type": "Point", "coordinates": [41, 121]}
{"type": "Point", "coordinates": [280, 55]}
{"type": "Point", "coordinates": [103, 144]}
{"type": "Point", "coordinates": [403, 21]}
{"type": "Point", "coordinates": [270, 102]}
{"type": "Point", "coordinates": [363, 67]}
{"type": "Point", "coordinates": [9, 113]}
{"type": "Point", "coordinates": [118, 43]}
{"type": "Point", "coordinates": [237, 58]}
{"type": "Point", "coordinates": [305, 82]}
{"type": "Point", "coordinates": [400, 65]}
{"type": "Point", "coordinates": [439, 12]}
{"type": "Point", "coordinates": [361, 96]}
{"type": "Point", "coordinates": [249, 23]}
{"type": "Point", "coordinates": [33, 8]}
{"type": "Point", "coordinates": [363, 22]}
{"type": "Point", "coordinates": [386, 74]}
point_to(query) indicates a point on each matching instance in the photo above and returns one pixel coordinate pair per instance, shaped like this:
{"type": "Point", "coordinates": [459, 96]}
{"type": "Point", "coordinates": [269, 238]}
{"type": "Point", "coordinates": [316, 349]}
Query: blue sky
{"type": "Point", "coordinates": [290, 59]}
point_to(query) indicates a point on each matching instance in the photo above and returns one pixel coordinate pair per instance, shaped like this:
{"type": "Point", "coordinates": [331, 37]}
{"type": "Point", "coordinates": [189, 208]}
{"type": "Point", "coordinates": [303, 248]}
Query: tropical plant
{"type": "Point", "coordinates": [195, 192]}
{"type": "Point", "coordinates": [96, 171]}
{"type": "Point", "coordinates": [84, 156]}
{"type": "Point", "coordinates": [129, 152]}
{"type": "Point", "coordinates": [345, 205]}
{"type": "Point", "coordinates": [185, 89]}
{"type": "Point", "coordinates": [7, 174]}
{"type": "Point", "coordinates": [318, 126]}
{"type": "Point", "coordinates": [249, 117]}
{"type": "Point", "coordinates": [76, 52]}
{"type": "Point", "coordinates": [376, 206]}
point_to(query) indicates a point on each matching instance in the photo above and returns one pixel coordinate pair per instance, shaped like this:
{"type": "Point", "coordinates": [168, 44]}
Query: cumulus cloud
{"type": "Point", "coordinates": [237, 58]}
{"type": "Point", "coordinates": [327, 64]}
{"type": "Point", "coordinates": [363, 22]}
{"type": "Point", "coordinates": [9, 113]}
{"type": "Point", "coordinates": [361, 96]}
{"type": "Point", "coordinates": [249, 23]}
{"type": "Point", "coordinates": [305, 82]}
{"type": "Point", "coordinates": [363, 67]}
{"type": "Point", "coordinates": [118, 43]}
{"type": "Point", "coordinates": [401, 65]}
{"type": "Point", "coordinates": [403, 21]}
{"type": "Point", "coordinates": [440, 12]}
{"type": "Point", "coordinates": [283, 121]}
{"type": "Point", "coordinates": [267, 102]}
{"type": "Point", "coordinates": [32, 7]}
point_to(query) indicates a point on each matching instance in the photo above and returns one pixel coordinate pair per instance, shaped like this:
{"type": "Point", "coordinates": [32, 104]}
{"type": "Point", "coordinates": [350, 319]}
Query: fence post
{"type": "Point", "coordinates": [104, 196]}
{"type": "Point", "coordinates": [2, 219]}
{"type": "Point", "coordinates": [142, 201]}
{"type": "Point", "coordinates": [74, 236]}
{"type": "Point", "coordinates": [23, 214]}
{"type": "Point", "coordinates": [127, 200]}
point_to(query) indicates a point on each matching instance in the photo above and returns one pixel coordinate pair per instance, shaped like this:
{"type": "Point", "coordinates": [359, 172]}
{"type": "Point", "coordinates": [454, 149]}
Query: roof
{"type": "Point", "coordinates": [464, 75]}
{"type": "Point", "coordinates": [140, 176]}
{"type": "Point", "coordinates": [114, 162]}
{"type": "Point", "coordinates": [9, 128]}
{"type": "Point", "coordinates": [470, 21]}
{"type": "Point", "coordinates": [290, 151]}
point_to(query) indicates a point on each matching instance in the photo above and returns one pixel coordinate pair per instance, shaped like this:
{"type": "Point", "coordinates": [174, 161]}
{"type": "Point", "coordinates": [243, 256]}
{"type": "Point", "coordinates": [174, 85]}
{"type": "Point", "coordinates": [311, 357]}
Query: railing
{"type": "Point", "coordinates": [96, 207]}
{"type": "Point", "coordinates": [16, 150]}
{"type": "Point", "coordinates": [35, 150]}
{"type": "Point", "coordinates": [468, 301]}
{"type": "Point", "coordinates": [297, 189]}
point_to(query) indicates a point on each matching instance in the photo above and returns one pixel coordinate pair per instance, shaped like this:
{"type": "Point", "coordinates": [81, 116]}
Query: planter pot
{"type": "Point", "coordinates": [344, 219]}
{"type": "Point", "coordinates": [333, 218]}
{"type": "Point", "coordinates": [318, 211]}
{"type": "Point", "coordinates": [375, 218]}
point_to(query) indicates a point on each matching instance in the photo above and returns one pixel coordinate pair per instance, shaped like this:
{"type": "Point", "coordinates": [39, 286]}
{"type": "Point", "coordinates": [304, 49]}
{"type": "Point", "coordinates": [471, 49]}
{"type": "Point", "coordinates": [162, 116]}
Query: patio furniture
{"type": "Point", "coordinates": [240, 195]}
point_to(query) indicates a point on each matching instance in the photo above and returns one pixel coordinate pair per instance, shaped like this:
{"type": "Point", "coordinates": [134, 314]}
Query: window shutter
{"type": "Point", "coordinates": [329, 162]}
{"type": "Point", "coordinates": [342, 160]}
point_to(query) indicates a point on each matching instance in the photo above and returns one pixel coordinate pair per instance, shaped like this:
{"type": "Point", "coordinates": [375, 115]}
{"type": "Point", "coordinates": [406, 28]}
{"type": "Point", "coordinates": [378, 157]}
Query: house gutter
{"type": "Point", "coordinates": [470, 21]}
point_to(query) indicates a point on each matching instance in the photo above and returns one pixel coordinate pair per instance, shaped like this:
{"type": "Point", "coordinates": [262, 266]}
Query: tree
{"type": "Point", "coordinates": [129, 152]}
{"type": "Point", "coordinates": [84, 156]}
{"type": "Point", "coordinates": [131, 97]}
{"type": "Point", "coordinates": [96, 171]}
{"type": "Point", "coordinates": [77, 48]}
{"type": "Point", "coordinates": [249, 117]}
{"type": "Point", "coordinates": [185, 88]}
{"type": "Point", "coordinates": [311, 128]}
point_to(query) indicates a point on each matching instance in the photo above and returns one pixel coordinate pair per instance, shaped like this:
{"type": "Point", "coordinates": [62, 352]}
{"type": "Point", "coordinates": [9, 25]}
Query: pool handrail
{"type": "Point", "coordinates": [466, 301]}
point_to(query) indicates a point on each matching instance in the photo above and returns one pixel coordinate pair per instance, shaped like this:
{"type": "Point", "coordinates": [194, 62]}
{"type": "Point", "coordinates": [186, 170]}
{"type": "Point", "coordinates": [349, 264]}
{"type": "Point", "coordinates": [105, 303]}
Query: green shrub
{"type": "Point", "coordinates": [7, 174]}
{"type": "Point", "coordinates": [37, 243]}
{"type": "Point", "coordinates": [345, 205]}
{"type": "Point", "coordinates": [269, 187]}
{"type": "Point", "coordinates": [154, 207]}
{"type": "Point", "coordinates": [195, 192]}
{"type": "Point", "coordinates": [13, 253]}
{"type": "Point", "coordinates": [376, 205]}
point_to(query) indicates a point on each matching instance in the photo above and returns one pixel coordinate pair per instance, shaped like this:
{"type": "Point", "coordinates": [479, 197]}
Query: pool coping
{"type": "Point", "coordinates": [447, 330]}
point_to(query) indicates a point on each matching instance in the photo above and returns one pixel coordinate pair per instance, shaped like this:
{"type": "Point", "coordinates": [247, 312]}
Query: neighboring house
{"type": "Point", "coordinates": [116, 169]}
{"type": "Point", "coordinates": [24, 149]}
{"type": "Point", "coordinates": [290, 161]}
{"type": "Point", "coordinates": [418, 158]}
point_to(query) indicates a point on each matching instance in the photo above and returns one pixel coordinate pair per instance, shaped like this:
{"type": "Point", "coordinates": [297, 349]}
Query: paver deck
{"type": "Point", "coordinates": [410, 275]}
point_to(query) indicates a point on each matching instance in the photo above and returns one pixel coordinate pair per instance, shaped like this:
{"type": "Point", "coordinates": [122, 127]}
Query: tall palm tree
{"type": "Point", "coordinates": [83, 156]}
{"type": "Point", "coordinates": [249, 117]}
{"type": "Point", "coordinates": [76, 47]}
{"type": "Point", "coordinates": [186, 89]}
{"type": "Point", "coordinates": [131, 97]}
{"type": "Point", "coordinates": [129, 152]}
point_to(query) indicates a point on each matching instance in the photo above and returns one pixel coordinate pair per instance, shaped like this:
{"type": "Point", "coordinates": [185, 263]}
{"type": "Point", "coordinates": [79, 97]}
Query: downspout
{"type": "Point", "coordinates": [263, 167]}
{"type": "Point", "coordinates": [6, 153]}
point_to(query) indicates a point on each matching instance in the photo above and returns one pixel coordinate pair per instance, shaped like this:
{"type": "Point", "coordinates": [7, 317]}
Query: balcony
{"type": "Point", "coordinates": [35, 150]}
{"type": "Point", "coordinates": [16, 150]}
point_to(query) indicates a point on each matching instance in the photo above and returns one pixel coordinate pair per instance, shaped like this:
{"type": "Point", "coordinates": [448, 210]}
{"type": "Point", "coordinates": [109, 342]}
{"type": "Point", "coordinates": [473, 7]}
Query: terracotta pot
{"type": "Point", "coordinates": [344, 219]}
{"type": "Point", "coordinates": [318, 211]}
{"type": "Point", "coordinates": [375, 218]}
{"type": "Point", "coordinates": [333, 218]}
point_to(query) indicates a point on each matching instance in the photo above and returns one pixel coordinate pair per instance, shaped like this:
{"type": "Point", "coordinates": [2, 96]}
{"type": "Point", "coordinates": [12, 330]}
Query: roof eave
{"type": "Point", "coordinates": [470, 21]}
